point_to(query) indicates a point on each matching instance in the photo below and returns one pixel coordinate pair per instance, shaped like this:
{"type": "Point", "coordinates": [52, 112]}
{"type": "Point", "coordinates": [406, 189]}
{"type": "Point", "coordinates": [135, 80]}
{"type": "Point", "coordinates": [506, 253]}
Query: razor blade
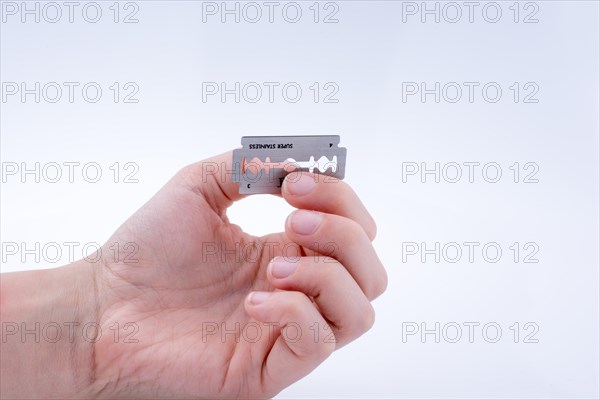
{"type": "Point", "coordinates": [263, 162]}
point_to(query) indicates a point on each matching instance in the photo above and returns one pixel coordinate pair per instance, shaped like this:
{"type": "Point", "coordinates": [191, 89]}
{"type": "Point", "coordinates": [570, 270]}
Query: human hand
{"type": "Point", "coordinates": [192, 280]}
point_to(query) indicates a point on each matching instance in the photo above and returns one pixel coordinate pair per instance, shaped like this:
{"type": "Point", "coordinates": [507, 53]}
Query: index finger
{"type": "Point", "coordinates": [322, 193]}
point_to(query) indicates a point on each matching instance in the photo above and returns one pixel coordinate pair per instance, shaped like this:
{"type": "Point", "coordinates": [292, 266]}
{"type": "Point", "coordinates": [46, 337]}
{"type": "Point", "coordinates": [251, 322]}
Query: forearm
{"type": "Point", "coordinates": [45, 350]}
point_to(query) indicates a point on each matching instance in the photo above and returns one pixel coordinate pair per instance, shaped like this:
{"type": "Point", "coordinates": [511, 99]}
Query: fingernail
{"type": "Point", "coordinates": [258, 297]}
{"type": "Point", "coordinates": [304, 222]}
{"type": "Point", "coordinates": [299, 184]}
{"type": "Point", "coordinates": [282, 268]}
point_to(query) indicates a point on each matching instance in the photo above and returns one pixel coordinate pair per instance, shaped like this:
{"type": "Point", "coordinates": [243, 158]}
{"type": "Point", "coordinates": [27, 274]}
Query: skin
{"type": "Point", "coordinates": [178, 292]}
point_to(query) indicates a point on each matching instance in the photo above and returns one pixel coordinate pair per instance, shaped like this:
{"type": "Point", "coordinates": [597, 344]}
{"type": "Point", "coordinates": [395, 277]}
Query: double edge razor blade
{"type": "Point", "coordinates": [263, 161]}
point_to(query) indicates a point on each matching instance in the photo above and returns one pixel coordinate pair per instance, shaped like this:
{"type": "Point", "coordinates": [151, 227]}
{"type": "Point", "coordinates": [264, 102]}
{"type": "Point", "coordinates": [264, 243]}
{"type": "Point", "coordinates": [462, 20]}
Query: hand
{"type": "Point", "coordinates": [213, 321]}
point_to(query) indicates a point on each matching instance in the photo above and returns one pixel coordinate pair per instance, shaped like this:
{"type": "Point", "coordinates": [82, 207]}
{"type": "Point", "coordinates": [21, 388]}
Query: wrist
{"type": "Point", "coordinates": [49, 326]}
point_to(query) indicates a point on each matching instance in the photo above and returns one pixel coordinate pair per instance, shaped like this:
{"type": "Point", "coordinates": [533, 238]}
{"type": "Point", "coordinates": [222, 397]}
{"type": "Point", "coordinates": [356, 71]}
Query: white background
{"type": "Point", "coordinates": [372, 49]}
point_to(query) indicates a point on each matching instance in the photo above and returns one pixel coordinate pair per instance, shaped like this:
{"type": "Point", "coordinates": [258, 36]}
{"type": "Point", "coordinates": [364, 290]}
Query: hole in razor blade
{"type": "Point", "coordinates": [255, 165]}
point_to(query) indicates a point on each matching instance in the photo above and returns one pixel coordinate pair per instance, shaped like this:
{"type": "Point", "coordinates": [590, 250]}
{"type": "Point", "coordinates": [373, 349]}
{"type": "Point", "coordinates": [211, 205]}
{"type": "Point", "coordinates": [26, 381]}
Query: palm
{"type": "Point", "coordinates": [181, 277]}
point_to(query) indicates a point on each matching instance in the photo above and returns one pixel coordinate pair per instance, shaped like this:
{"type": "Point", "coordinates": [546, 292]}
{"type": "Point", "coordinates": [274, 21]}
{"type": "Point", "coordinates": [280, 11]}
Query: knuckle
{"type": "Point", "coordinates": [371, 228]}
{"type": "Point", "coordinates": [368, 319]}
{"type": "Point", "coordinates": [316, 349]}
{"type": "Point", "coordinates": [379, 286]}
{"type": "Point", "coordinates": [329, 251]}
{"type": "Point", "coordinates": [188, 175]}
{"type": "Point", "coordinates": [329, 270]}
{"type": "Point", "coordinates": [325, 348]}
{"type": "Point", "coordinates": [187, 170]}
{"type": "Point", "coordinates": [295, 302]}
{"type": "Point", "coordinates": [184, 173]}
{"type": "Point", "coordinates": [355, 230]}
{"type": "Point", "coordinates": [293, 305]}
{"type": "Point", "coordinates": [361, 322]}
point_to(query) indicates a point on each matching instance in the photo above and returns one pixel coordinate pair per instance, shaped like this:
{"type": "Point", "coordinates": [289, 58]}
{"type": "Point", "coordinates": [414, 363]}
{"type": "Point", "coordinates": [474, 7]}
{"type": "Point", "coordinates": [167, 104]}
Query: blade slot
{"type": "Point", "coordinates": [255, 165]}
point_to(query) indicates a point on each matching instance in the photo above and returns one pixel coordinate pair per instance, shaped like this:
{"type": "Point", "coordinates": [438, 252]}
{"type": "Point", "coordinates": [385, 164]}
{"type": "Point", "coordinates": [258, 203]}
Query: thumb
{"type": "Point", "coordinates": [213, 179]}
